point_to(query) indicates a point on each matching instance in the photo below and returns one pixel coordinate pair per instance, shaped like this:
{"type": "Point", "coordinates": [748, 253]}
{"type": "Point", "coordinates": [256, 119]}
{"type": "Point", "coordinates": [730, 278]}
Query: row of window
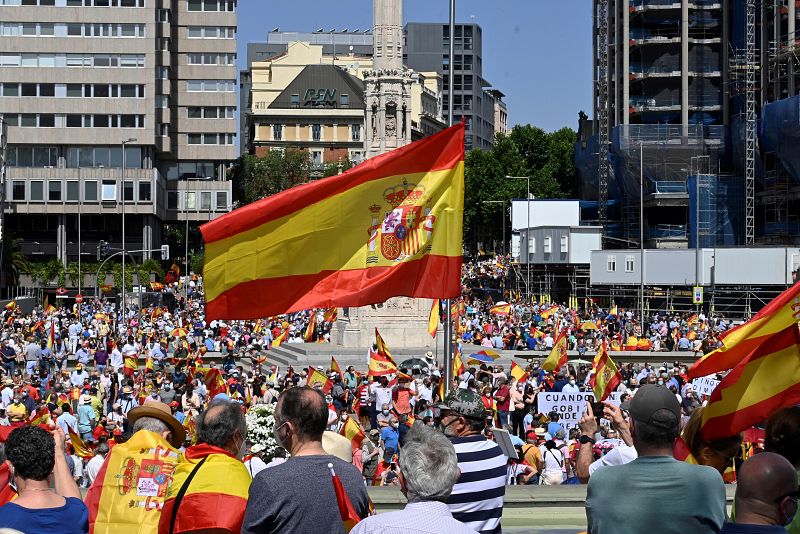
{"type": "Point", "coordinates": [211, 32]}
{"type": "Point", "coordinates": [71, 60]}
{"type": "Point", "coordinates": [212, 5]}
{"type": "Point", "coordinates": [190, 200]}
{"type": "Point", "coordinates": [548, 245]}
{"type": "Point", "coordinates": [55, 120]}
{"type": "Point", "coordinates": [211, 112]}
{"type": "Point", "coordinates": [316, 132]}
{"type": "Point", "coordinates": [211, 59]}
{"type": "Point", "coordinates": [460, 62]}
{"type": "Point", "coordinates": [89, 156]}
{"type": "Point", "coordinates": [34, 191]}
{"type": "Point", "coordinates": [611, 263]}
{"type": "Point", "coordinates": [211, 86]}
{"type": "Point", "coordinates": [210, 138]}
{"type": "Point", "coordinates": [459, 82]}
{"type": "Point", "coordinates": [62, 29]}
{"type": "Point", "coordinates": [74, 3]}
{"type": "Point", "coordinates": [70, 90]}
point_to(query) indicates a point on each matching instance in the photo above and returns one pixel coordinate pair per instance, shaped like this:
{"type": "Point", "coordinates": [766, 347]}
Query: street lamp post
{"type": "Point", "coordinates": [503, 202]}
{"type": "Point", "coordinates": [448, 325]}
{"type": "Point", "coordinates": [122, 198]}
{"type": "Point", "coordinates": [527, 234]}
{"type": "Point", "coordinates": [641, 234]}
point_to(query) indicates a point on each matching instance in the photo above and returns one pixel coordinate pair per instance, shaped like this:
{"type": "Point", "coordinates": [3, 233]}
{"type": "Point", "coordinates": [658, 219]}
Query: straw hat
{"type": "Point", "coordinates": [160, 411]}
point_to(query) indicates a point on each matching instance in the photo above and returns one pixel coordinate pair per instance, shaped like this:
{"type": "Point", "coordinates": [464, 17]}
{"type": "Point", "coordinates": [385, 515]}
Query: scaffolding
{"type": "Point", "coordinates": [750, 124]}
{"type": "Point", "coordinates": [601, 14]}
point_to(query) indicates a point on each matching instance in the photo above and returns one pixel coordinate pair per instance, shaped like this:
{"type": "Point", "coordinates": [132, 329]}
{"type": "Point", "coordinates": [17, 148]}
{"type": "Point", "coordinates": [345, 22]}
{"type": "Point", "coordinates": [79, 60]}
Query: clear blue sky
{"type": "Point", "coordinates": [537, 52]}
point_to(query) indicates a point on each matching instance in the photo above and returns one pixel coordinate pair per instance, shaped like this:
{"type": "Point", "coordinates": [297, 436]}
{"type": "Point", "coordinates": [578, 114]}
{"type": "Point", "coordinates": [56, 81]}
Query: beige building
{"type": "Point", "coordinates": [500, 111]}
{"type": "Point", "coordinates": [82, 77]}
{"type": "Point", "coordinates": [306, 98]}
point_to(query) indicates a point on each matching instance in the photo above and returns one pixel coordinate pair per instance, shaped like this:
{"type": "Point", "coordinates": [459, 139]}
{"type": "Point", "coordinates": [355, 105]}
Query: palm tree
{"type": "Point", "coordinates": [14, 261]}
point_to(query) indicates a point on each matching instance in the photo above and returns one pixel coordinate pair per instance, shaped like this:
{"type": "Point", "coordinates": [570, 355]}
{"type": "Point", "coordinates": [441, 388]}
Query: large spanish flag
{"type": "Point", "coordinates": [519, 373]}
{"type": "Point", "coordinates": [129, 490]}
{"type": "Point", "coordinates": [606, 376]}
{"type": "Point", "coordinates": [391, 226]}
{"type": "Point", "coordinates": [767, 380]}
{"type": "Point", "coordinates": [739, 342]}
{"type": "Point", "coordinates": [353, 431]}
{"type": "Point", "coordinates": [216, 498]}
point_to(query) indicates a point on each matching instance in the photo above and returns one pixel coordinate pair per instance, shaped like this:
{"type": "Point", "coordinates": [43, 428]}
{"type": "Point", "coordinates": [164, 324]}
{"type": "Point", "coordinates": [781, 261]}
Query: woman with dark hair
{"type": "Point", "coordinates": [36, 458]}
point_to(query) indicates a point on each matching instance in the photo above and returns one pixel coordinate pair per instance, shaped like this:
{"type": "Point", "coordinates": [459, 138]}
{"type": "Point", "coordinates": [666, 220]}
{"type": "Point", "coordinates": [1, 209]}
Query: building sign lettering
{"type": "Point", "coordinates": [319, 98]}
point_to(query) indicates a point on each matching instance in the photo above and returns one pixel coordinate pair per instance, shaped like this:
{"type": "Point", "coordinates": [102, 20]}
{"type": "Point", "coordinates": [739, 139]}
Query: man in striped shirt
{"type": "Point", "coordinates": [477, 497]}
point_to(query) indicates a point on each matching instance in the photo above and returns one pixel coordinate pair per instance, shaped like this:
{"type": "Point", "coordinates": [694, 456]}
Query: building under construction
{"type": "Point", "coordinates": [695, 140]}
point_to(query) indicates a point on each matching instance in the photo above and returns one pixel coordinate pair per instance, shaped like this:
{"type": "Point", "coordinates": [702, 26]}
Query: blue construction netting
{"type": "Point", "coordinates": [780, 133]}
{"type": "Point", "coordinates": [718, 218]}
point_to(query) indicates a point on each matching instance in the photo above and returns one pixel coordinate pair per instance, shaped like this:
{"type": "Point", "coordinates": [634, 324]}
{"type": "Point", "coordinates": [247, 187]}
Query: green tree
{"type": "Point", "coordinates": [14, 261]}
{"type": "Point", "coordinates": [258, 177]}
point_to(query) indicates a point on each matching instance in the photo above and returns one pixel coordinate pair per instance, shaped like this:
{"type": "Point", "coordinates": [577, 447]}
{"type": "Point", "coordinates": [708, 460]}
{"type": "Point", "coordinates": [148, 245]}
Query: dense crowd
{"type": "Point", "coordinates": [84, 382]}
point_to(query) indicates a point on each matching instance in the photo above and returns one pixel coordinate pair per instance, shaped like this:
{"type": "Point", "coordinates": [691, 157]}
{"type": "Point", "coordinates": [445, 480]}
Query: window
{"type": "Point", "coordinates": [172, 200]}
{"type": "Point", "coordinates": [18, 190]}
{"type": "Point", "coordinates": [73, 191]}
{"type": "Point", "coordinates": [629, 263]}
{"type": "Point", "coordinates": [277, 132]}
{"type": "Point", "coordinates": [316, 132]}
{"type": "Point", "coordinates": [195, 5]}
{"type": "Point", "coordinates": [37, 191]}
{"type": "Point", "coordinates": [162, 129]}
{"type": "Point", "coordinates": [205, 200]}
{"type": "Point", "coordinates": [611, 263]}
{"type": "Point", "coordinates": [222, 200]}
{"type": "Point", "coordinates": [316, 157]}
{"type": "Point", "coordinates": [90, 191]}
{"type": "Point", "coordinates": [344, 100]}
{"type": "Point", "coordinates": [27, 120]}
{"type": "Point", "coordinates": [10, 89]}
{"type": "Point", "coordinates": [109, 191]}
{"type": "Point", "coordinates": [295, 100]}
{"type": "Point", "coordinates": [145, 192]}
{"type": "Point", "coordinates": [162, 101]}
{"type": "Point", "coordinates": [191, 200]}
{"type": "Point", "coordinates": [548, 247]}
{"type": "Point", "coordinates": [564, 244]}
{"type": "Point", "coordinates": [47, 120]}
{"type": "Point", "coordinates": [195, 139]}
{"type": "Point", "coordinates": [28, 89]}
{"type": "Point", "coordinates": [163, 15]}
{"type": "Point", "coordinates": [128, 191]}
{"type": "Point", "coordinates": [355, 132]}
{"type": "Point", "coordinates": [54, 191]}
{"type": "Point", "coordinates": [532, 245]}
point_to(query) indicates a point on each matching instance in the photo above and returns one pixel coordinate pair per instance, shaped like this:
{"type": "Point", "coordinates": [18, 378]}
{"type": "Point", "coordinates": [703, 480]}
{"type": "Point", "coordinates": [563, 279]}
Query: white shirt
{"type": "Point", "coordinates": [115, 360]}
{"type": "Point", "coordinates": [93, 467]}
{"type": "Point", "coordinates": [276, 461]}
{"type": "Point", "coordinates": [619, 455]}
{"type": "Point", "coordinates": [255, 465]}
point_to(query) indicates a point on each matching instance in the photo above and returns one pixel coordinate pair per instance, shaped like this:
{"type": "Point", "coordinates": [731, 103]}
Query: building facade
{"type": "Point", "coordinates": [299, 96]}
{"type": "Point", "coordinates": [427, 49]}
{"type": "Point", "coordinates": [83, 78]}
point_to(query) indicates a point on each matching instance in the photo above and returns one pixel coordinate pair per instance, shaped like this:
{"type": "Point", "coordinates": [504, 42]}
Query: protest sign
{"type": "Point", "coordinates": [705, 384]}
{"type": "Point", "coordinates": [569, 406]}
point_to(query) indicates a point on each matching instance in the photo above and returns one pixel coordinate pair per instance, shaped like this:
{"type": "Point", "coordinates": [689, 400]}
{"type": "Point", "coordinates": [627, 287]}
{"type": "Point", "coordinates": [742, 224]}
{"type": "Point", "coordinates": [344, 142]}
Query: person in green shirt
{"type": "Point", "coordinates": [783, 437]}
{"type": "Point", "coordinates": [655, 492]}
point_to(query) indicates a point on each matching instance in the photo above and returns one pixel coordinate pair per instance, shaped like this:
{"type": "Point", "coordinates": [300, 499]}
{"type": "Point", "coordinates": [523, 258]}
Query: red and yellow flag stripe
{"type": "Point", "coordinates": [606, 376]}
{"type": "Point", "coordinates": [767, 380]}
{"type": "Point", "coordinates": [342, 241]}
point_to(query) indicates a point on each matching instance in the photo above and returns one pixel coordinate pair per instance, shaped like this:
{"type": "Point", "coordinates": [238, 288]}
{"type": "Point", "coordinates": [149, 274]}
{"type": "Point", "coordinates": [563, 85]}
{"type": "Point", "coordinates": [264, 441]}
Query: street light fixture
{"type": "Point", "coordinates": [122, 198]}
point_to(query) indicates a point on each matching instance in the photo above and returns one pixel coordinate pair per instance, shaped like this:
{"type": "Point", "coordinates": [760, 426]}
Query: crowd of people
{"type": "Point", "coordinates": [87, 388]}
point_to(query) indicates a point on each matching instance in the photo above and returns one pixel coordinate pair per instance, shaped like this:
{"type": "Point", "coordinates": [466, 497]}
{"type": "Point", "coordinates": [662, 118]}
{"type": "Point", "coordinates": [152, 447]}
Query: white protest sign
{"type": "Point", "coordinates": [705, 384]}
{"type": "Point", "coordinates": [569, 406]}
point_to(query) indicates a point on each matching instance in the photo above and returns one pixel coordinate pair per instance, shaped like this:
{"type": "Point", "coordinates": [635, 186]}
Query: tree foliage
{"type": "Point", "coordinates": [526, 151]}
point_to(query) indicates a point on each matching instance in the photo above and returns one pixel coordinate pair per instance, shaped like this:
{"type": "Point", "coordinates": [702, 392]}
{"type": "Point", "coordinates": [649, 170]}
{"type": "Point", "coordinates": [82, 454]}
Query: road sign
{"type": "Point", "coordinates": [78, 298]}
{"type": "Point", "coordinates": [697, 294]}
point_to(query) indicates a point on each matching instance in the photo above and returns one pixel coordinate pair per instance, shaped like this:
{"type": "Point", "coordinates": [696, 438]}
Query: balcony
{"type": "Point", "coordinates": [198, 200]}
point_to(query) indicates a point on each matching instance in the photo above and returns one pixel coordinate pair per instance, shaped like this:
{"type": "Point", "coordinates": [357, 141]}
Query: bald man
{"type": "Point", "coordinates": [766, 496]}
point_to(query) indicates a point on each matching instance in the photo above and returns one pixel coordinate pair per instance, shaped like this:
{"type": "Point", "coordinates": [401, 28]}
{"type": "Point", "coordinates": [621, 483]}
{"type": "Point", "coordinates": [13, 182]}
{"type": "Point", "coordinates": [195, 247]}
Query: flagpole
{"type": "Point", "coordinates": [448, 325]}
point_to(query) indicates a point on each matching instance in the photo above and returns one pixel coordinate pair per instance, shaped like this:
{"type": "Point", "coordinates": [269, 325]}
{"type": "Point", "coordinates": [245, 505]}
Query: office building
{"type": "Point", "coordinates": [82, 78]}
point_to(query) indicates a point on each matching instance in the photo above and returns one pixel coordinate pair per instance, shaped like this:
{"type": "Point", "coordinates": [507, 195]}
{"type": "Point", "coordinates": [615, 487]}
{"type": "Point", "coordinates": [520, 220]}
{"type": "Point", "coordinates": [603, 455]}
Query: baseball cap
{"type": "Point", "coordinates": [465, 403]}
{"type": "Point", "coordinates": [648, 400]}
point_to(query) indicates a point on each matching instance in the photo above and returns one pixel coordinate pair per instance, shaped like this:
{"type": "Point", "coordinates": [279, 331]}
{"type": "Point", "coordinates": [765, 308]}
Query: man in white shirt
{"type": "Point", "coordinates": [620, 455]}
{"type": "Point", "coordinates": [93, 466]}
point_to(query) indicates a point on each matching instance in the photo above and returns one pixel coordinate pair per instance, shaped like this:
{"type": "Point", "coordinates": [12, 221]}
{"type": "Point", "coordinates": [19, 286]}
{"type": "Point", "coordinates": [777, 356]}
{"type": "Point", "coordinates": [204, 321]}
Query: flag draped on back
{"type": "Point", "coordinates": [606, 376]}
{"type": "Point", "coordinates": [131, 364]}
{"type": "Point", "coordinates": [433, 318]}
{"type": "Point", "coordinates": [212, 378]}
{"type": "Point", "coordinates": [216, 498]}
{"type": "Point", "coordinates": [767, 380]}
{"type": "Point", "coordinates": [352, 431]}
{"type": "Point", "coordinates": [558, 355]}
{"type": "Point", "coordinates": [739, 342]}
{"type": "Point", "coordinates": [391, 226]}
{"type": "Point", "coordinates": [129, 490]}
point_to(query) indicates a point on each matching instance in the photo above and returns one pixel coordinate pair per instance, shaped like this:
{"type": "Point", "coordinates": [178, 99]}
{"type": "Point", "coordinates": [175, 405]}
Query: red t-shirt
{"type": "Point", "coordinates": [504, 392]}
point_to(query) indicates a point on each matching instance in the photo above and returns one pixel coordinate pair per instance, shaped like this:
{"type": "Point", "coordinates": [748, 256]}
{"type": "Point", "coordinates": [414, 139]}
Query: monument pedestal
{"type": "Point", "coordinates": [402, 322]}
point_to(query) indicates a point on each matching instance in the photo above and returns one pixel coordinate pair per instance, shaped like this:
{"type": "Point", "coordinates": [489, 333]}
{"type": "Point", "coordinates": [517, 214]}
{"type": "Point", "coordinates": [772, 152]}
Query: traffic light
{"type": "Point", "coordinates": [164, 252]}
{"type": "Point", "coordinates": [102, 250]}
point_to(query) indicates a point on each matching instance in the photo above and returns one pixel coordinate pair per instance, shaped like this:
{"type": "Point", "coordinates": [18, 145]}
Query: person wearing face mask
{"type": "Point", "coordinates": [571, 386]}
{"type": "Point", "coordinates": [17, 412]}
{"type": "Point", "coordinates": [766, 496]}
{"type": "Point", "coordinates": [477, 501]}
{"type": "Point", "coordinates": [167, 393]}
{"type": "Point", "coordinates": [284, 497]}
{"type": "Point", "coordinates": [208, 492]}
{"type": "Point", "coordinates": [390, 435]}
{"type": "Point", "coordinates": [518, 409]}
